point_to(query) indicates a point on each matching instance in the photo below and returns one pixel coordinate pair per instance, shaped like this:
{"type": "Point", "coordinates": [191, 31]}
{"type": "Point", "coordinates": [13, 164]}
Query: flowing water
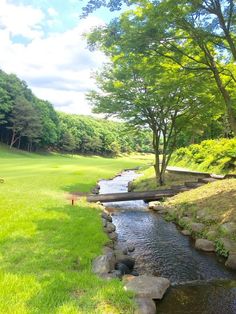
{"type": "Point", "coordinates": [201, 284]}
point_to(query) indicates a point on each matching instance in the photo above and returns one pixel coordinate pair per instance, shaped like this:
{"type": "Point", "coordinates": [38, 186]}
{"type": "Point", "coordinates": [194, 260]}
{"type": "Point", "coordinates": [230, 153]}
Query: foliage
{"type": "Point", "coordinates": [218, 156]}
{"type": "Point", "coordinates": [146, 91]}
{"type": "Point", "coordinates": [30, 123]}
{"type": "Point", "coordinates": [220, 249]}
{"type": "Point", "coordinates": [99, 136]}
{"type": "Point", "coordinates": [147, 182]}
{"type": "Point", "coordinates": [47, 245]}
{"type": "Point", "coordinates": [197, 36]}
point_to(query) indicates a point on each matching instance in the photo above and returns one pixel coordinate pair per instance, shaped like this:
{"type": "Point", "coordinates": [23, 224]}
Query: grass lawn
{"type": "Point", "coordinates": [147, 181]}
{"type": "Point", "coordinates": [47, 245]}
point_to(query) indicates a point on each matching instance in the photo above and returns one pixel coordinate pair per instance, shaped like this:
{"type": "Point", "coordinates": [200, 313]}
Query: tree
{"type": "Point", "coordinates": [67, 141]}
{"type": "Point", "coordinates": [197, 35]}
{"type": "Point", "coordinates": [146, 92]}
{"type": "Point", "coordinates": [24, 122]}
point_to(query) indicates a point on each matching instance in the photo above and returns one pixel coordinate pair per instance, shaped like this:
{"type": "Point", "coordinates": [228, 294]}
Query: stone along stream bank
{"type": "Point", "coordinates": [200, 283]}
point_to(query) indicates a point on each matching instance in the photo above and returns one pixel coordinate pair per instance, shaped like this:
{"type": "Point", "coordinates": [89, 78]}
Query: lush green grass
{"type": "Point", "coordinates": [47, 245]}
{"type": "Point", "coordinates": [213, 204]}
{"type": "Point", "coordinates": [147, 181]}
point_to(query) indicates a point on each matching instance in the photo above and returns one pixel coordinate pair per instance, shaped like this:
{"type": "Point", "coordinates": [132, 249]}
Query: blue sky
{"type": "Point", "coordinates": [42, 43]}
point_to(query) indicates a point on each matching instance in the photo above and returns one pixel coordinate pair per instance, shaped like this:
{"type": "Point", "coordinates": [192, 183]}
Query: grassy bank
{"type": "Point", "coordinates": [213, 205]}
{"type": "Point", "coordinates": [46, 244]}
{"type": "Point", "coordinates": [147, 180]}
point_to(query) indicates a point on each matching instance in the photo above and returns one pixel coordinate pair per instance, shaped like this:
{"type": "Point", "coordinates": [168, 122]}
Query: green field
{"type": "Point", "coordinates": [47, 245]}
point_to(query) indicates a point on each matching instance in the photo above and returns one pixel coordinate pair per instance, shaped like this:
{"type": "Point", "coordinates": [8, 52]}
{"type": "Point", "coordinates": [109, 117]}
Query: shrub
{"type": "Point", "coordinates": [210, 155]}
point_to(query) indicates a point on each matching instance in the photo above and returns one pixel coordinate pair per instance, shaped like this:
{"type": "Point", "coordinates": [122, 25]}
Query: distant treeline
{"type": "Point", "coordinates": [29, 123]}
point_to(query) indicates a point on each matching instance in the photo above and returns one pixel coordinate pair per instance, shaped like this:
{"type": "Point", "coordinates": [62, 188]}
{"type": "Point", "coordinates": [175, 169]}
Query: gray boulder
{"type": "Point", "coordinates": [104, 222]}
{"type": "Point", "coordinates": [113, 236]}
{"type": "Point", "coordinates": [145, 306]}
{"type": "Point", "coordinates": [152, 204]}
{"type": "Point", "coordinates": [112, 275]}
{"type": "Point", "coordinates": [110, 227]}
{"type": "Point", "coordinates": [103, 263]}
{"type": "Point", "coordinates": [204, 245]}
{"type": "Point", "coordinates": [104, 215]}
{"type": "Point", "coordinates": [148, 286]}
{"type": "Point", "coordinates": [197, 227]}
{"type": "Point", "coordinates": [231, 261]}
{"type": "Point", "coordinates": [186, 232]}
{"type": "Point", "coordinates": [159, 208]}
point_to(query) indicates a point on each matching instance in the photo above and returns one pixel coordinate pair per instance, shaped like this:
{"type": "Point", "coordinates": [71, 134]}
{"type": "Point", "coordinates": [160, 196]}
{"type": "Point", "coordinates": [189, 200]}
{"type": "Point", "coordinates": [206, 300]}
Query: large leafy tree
{"type": "Point", "coordinates": [197, 35]}
{"type": "Point", "coordinates": [147, 92]}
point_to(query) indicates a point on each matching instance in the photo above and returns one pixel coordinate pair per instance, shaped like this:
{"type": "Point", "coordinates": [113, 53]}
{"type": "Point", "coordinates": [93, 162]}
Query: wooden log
{"type": "Point", "coordinates": [131, 196]}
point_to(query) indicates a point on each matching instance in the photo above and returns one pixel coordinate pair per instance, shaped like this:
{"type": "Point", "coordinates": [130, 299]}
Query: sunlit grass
{"type": "Point", "coordinates": [147, 181]}
{"type": "Point", "coordinates": [47, 245]}
{"type": "Point", "coordinates": [217, 199]}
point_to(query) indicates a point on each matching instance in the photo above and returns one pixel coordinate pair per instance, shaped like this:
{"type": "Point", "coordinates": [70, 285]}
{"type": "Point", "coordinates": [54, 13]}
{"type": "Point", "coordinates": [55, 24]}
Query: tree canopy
{"type": "Point", "coordinates": [171, 68]}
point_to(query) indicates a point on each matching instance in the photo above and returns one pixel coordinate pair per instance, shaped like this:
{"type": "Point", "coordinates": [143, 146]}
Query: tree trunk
{"type": "Point", "coordinates": [157, 158]}
{"type": "Point", "coordinates": [19, 143]}
{"type": "Point", "coordinates": [224, 92]}
{"type": "Point", "coordinates": [13, 139]}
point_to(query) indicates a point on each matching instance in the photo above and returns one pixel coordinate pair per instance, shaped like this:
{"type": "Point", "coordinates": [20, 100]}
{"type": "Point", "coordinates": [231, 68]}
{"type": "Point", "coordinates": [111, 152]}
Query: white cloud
{"type": "Point", "coordinates": [57, 67]}
{"type": "Point", "coordinates": [21, 20]}
{"type": "Point", "coordinates": [52, 12]}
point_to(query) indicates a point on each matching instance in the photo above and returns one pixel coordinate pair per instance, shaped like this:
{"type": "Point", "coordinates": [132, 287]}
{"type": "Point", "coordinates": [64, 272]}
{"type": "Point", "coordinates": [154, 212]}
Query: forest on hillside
{"type": "Point", "coordinates": [29, 123]}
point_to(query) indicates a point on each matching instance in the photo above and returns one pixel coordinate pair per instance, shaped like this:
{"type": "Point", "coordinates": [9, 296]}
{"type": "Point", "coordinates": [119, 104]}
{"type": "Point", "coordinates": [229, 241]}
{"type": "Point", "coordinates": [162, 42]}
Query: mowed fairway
{"type": "Point", "coordinates": [47, 245]}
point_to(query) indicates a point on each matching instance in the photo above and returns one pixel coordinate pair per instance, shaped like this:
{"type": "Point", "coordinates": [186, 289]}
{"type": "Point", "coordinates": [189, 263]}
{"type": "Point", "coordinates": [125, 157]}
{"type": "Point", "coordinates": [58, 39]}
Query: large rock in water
{"type": "Point", "coordinates": [103, 263]}
{"type": "Point", "coordinates": [231, 261]}
{"type": "Point", "coordinates": [205, 245]}
{"type": "Point", "coordinates": [148, 286]}
{"type": "Point", "coordinates": [145, 306]}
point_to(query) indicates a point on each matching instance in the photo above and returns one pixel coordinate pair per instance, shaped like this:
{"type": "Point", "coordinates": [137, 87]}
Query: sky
{"type": "Point", "coordinates": [42, 43]}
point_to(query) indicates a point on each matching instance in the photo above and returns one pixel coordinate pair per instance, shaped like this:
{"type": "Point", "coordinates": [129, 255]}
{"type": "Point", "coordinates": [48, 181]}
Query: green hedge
{"type": "Point", "coordinates": [218, 156]}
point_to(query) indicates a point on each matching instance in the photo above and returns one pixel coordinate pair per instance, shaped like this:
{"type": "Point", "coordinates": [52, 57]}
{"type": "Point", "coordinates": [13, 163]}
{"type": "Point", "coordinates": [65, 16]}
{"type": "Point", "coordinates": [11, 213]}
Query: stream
{"type": "Point", "coordinates": [201, 284]}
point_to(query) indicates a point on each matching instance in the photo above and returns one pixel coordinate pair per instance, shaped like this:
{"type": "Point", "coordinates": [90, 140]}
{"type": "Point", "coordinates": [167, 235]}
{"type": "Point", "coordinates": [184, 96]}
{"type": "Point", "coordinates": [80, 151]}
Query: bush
{"type": "Point", "coordinates": [217, 156]}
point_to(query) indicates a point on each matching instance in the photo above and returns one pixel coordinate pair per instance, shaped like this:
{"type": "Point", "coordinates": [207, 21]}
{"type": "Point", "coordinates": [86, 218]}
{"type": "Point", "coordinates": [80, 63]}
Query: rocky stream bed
{"type": "Point", "coordinates": [154, 258]}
